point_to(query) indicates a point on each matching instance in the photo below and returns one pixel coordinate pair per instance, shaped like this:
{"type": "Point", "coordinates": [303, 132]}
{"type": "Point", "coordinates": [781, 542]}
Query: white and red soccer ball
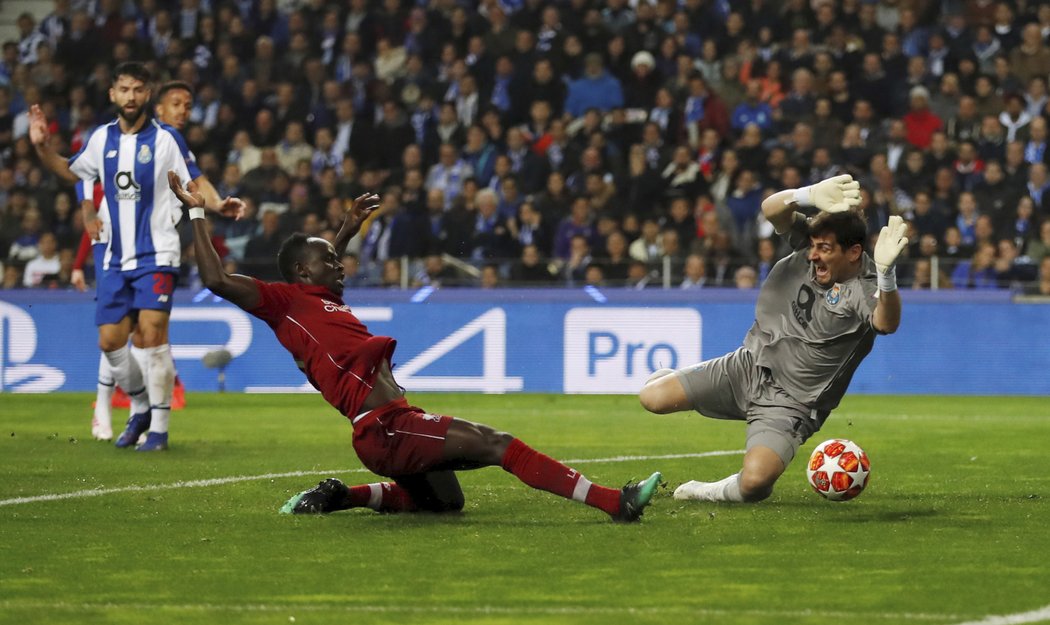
{"type": "Point", "coordinates": [838, 469]}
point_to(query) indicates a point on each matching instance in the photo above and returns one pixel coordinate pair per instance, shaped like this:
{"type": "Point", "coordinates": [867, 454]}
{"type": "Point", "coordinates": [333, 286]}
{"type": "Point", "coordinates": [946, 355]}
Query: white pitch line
{"type": "Point", "coordinates": [219, 481]}
{"type": "Point", "coordinates": [1035, 616]}
{"type": "Point", "coordinates": [294, 608]}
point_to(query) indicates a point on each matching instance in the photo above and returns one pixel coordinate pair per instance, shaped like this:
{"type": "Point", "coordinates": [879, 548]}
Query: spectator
{"type": "Point", "coordinates": [448, 174]}
{"type": "Point", "coordinates": [391, 274]}
{"type": "Point", "coordinates": [531, 268]}
{"type": "Point", "coordinates": [579, 222]}
{"type": "Point", "coordinates": [647, 248]}
{"type": "Point", "coordinates": [640, 88]}
{"type": "Point", "coordinates": [753, 110]}
{"type": "Point", "coordinates": [920, 122]}
{"type": "Point", "coordinates": [491, 237]}
{"type": "Point", "coordinates": [12, 277]}
{"type": "Point", "coordinates": [595, 89]}
{"type": "Point", "coordinates": [293, 147]}
{"type": "Point", "coordinates": [1038, 185]}
{"type": "Point", "coordinates": [1031, 58]}
{"type": "Point", "coordinates": [1011, 269]}
{"type": "Point", "coordinates": [703, 110]}
{"type": "Point", "coordinates": [574, 268]}
{"type": "Point", "coordinates": [436, 273]}
{"type": "Point", "coordinates": [490, 278]}
{"type": "Point", "coordinates": [695, 272]}
{"type": "Point", "coordinates": [1039, 249]}
{"type": "Point", "coordinates": [1014, 118]}
{"type": "Point", "coordinates": [45, 265]}
{"type": "Point", "coordinates": [616, 261]}
{"type": "Point", "coordinates": [978, 272]}
{"type": "Point", "coordinates": [1042, 287]}
{"type": "Point", "coordinates": [745, 277]}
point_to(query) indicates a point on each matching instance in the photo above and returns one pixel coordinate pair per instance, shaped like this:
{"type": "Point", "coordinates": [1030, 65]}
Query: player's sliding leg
{"type": "Point", "coordinates": [470, 445]}
{"type": "Point", "coordinates": [160, 382]}
{"type": "Point", "coordinates": [438, 491]}
{"type": "Point", "coordinates": [762, 467]}
{"type": "Point", "coordinates": [102, 420]}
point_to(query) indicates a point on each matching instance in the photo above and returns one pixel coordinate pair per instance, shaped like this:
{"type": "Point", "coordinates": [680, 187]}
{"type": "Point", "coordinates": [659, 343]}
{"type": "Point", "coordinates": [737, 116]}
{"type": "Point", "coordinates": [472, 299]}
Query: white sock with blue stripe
{"type": "Point", "coordinates": [128, 376]}
{"type": "Point", "coordinates": [104, 393]}
{"type": "Point", "coordinates": [160, 383]}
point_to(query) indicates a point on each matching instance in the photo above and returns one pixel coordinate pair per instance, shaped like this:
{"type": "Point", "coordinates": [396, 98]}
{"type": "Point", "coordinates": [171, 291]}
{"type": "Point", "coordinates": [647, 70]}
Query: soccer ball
{"type": "Point", "coordinates": [838, 469]}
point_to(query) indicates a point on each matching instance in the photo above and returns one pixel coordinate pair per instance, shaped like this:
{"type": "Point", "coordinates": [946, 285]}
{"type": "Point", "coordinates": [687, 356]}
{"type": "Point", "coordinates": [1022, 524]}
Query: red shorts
{"type": "Point", "coordinates": [397, 439]}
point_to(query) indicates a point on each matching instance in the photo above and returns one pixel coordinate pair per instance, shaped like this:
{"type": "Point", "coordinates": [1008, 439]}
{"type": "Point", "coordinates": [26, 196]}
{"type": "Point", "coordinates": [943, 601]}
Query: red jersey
{"type": "Point", "coordinates": [338, 354]}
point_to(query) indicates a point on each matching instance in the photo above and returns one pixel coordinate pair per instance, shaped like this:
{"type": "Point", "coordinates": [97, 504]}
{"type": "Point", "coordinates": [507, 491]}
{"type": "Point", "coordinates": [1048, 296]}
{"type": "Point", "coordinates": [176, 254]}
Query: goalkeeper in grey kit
{"type": "Point", "coordinates": [816, 318]}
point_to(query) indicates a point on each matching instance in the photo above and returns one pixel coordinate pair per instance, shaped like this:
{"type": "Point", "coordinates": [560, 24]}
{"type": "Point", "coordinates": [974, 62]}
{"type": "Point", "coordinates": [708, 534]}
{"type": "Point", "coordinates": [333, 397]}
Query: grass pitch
{"type": "Point", "coordinates": [952, 528]}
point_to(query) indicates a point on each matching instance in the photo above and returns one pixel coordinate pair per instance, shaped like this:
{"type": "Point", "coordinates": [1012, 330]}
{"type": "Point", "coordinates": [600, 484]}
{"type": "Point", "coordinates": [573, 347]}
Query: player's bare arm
{"type": "Point", "coordinates": [886, 317]}
{"type": "Point", "coordinates": [832, 195]}
{"type": "Point", "coordinates": [228, 207]}
{"type": "Point", "coordinates": [359, 210]}
{"type": "Point", "coordinates": [92, 223]}
{"type": "Point", "coordinates": [40, 137]}
{"type": "Point", "coordinates": [234, 288]}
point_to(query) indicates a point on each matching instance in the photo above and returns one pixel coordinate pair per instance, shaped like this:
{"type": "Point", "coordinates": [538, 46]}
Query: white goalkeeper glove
{"type": "Point", "coordinates": [889, 245]}
{"type": "Point", "coordinates": [833, 195]}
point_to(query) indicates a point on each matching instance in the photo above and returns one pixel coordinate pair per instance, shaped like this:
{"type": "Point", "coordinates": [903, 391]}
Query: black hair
{"type": "Point", "coordinates": [173, 85]}
{"type": "Point", "coordinates": [134, 69]}
{"type": "Point", "coordinates": [848, 227]}
{"type": "Point", "coordinates": [291, 252]}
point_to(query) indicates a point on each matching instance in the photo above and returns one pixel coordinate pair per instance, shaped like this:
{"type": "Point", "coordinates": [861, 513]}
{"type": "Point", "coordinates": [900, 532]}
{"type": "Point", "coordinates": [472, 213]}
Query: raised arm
{"type": "Point", "coordinates": [886, 317]}
{"type": "Point", "coordinates": [779, 210]}
{"type": "Point", "coordinates": [362, 206]}
{"type": "Point", "coordinates": [230, 206]}
{"type": "Point", "coordinates": [832, 195]}
{"type": "Point", "coordinates": [234, 288]}
{"type": "Point", "coordinates": [40, 137]}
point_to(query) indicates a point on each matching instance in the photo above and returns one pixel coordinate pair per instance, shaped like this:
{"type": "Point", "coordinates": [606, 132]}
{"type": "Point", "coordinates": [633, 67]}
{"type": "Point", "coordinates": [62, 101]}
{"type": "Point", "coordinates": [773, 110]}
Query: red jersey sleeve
{"type": "Point", "coordinates": [82, 251]}
{"type": "Point", "coordinates": [273, 300]}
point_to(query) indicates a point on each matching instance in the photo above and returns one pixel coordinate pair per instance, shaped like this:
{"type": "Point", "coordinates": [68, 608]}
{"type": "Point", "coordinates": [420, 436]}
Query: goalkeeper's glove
{"type": "Point", "coordinates": [833, 195]}
{"type": "Point", "coordinates": [889, 245]}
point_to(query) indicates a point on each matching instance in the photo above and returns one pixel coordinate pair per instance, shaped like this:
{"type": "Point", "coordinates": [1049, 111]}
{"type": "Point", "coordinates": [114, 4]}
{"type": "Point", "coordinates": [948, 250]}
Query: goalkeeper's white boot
{"type": "Point", "coordinates": [699, 491]}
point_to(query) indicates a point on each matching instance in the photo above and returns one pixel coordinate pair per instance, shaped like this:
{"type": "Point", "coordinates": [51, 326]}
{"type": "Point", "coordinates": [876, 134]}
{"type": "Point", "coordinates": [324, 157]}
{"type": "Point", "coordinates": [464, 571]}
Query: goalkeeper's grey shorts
{"type": "Point", "coordinates": [733, 387]}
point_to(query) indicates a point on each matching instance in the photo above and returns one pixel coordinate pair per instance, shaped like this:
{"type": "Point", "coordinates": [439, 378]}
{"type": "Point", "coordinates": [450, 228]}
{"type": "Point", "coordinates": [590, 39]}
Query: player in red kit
{"type": "Point", "coordinates": [351, 369]}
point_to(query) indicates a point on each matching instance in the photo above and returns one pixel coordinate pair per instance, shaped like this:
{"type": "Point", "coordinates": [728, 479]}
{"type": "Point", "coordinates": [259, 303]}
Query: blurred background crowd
{"type": "Point", "coordinates": [530, 142]}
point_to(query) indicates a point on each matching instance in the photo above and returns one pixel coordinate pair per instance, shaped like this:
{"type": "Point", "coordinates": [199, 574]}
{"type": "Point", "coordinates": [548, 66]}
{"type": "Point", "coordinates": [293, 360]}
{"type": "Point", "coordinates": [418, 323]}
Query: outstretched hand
{"type": "Point", "coordinates": [190, 196]}
{"type": "Point", "coordinates": [362, 206]}
{"type": "Point", "coordinates": [890, 244]}
{"type": "Point", "coordinates": [837, 194]}
{"type": "Point", "coordinates": [231, 207]}
{"type": "Point", "coordinates": [38, 132]}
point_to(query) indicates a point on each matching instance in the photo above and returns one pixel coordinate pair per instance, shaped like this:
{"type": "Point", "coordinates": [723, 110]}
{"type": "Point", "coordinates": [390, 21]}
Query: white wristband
{"type": "Point", "coordinates": [802, 197]}
{"type": "Point", "coordinates": [887, 280]}
{"type": "Point", "coordinates": [196, 213]}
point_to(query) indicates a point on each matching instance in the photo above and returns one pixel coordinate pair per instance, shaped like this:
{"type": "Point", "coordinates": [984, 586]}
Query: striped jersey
{"type": "Point", "coordinates": [138, 210]}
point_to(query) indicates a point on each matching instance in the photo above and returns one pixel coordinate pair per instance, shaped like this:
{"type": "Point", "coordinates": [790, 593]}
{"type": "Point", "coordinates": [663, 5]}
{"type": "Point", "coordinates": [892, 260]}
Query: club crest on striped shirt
{"type": "Point", "coordinates": [145, 154]}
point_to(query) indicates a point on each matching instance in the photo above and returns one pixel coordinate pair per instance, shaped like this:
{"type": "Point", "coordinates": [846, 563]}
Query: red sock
{"type": "Point", "coordinates": [546, 473]}
{"type": "Point", "coordinates": [381, 497]}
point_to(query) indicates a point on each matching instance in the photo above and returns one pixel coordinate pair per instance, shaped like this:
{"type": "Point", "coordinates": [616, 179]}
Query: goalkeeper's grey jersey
{"type": "Point", "coordinates": [812, 338]}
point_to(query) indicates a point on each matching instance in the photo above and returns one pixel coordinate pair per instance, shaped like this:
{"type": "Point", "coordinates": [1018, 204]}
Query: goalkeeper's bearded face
{"type": "Point", "coordinates": [831, 262]}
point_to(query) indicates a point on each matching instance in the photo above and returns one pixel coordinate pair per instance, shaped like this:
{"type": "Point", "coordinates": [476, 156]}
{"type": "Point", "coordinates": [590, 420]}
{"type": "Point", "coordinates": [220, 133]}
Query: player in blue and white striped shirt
{"type": "Point", "coordinates": [130, 157]}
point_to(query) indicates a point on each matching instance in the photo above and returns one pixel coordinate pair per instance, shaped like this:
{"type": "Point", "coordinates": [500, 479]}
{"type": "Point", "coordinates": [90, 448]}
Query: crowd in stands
{"type": "Point", "coordinates": [531, 142]}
